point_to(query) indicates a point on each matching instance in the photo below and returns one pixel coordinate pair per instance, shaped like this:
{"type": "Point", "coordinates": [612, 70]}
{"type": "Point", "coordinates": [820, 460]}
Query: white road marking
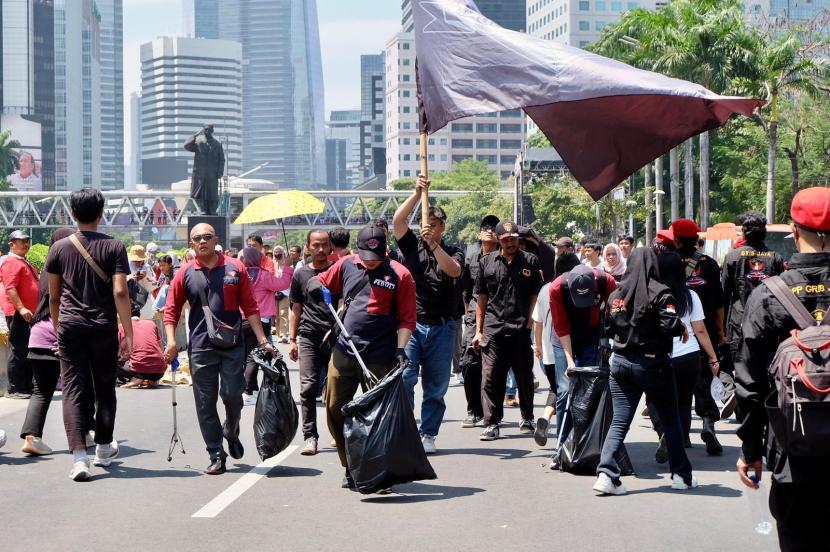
{"type": "Point", "coordinates": [229, 495]}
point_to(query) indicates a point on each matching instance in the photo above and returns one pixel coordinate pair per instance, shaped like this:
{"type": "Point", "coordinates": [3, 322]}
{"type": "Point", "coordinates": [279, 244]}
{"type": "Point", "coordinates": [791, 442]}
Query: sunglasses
{"type": "Point", "coordinates": [488, 228]}
{"type": "Point", "coordinates": [201, 237]}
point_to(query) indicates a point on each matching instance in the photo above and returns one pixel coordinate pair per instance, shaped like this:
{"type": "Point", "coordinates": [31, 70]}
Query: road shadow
{"type": "Point", "coordinates": [503, 453]}
{"type": "Point", "coordinates": [292, 471]}
{"type": "Point", "coordinates": [126, 451]}
{"type": "Point", "coordinates": [703, 490]}
{"type": "Point", "coordinates": [413, 493]}
{"type": "Point", "coordinates": [122, 471]}
{"type": "Point", "coordinates": [6, 459]}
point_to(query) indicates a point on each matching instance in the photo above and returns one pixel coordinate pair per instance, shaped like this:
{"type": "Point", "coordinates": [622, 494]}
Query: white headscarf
{"type": "Point", "coordinates": [619, 268]}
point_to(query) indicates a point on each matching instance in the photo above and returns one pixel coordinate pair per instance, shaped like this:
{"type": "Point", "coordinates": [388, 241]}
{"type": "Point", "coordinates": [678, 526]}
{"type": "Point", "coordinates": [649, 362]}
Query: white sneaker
{"type": "Point", "coordinates": [90, 439]}
{"type": "Point", "coordinates": [678, 484]}
{"type": "Point", "coordinates": [2, 438]}
{"type": "Point", "coordinates": [429, 444]}
{"type": "Point", "coordinates": [103, 458]}
{"type": "Point", "coordinates": [35, 446]}
{"type": "Point", "coordinates": [249, 400]}
{"type": "Point", "coordinates": [80, 471]}
{"type": "Point", "coordinates": [604, 485]}
{"type": "Point", "coordinates": [459, 379]}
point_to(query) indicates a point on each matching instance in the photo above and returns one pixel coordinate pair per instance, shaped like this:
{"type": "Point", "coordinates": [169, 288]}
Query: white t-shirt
{"type": "Point", "coordinates": [694, 315]}
{"type": "Point", "coordinates": [541, 313]}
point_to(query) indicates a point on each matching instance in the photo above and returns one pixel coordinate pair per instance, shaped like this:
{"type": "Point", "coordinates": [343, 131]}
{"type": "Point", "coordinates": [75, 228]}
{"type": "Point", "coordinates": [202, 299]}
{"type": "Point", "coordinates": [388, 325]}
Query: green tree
{"type": "Point", "coordinates": [8, 157]}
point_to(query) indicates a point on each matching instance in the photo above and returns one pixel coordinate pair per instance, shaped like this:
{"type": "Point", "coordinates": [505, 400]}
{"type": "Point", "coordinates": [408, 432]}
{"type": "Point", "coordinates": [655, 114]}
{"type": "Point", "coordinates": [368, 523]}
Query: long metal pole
{"type": "Point", "coordinates": [425, 173]}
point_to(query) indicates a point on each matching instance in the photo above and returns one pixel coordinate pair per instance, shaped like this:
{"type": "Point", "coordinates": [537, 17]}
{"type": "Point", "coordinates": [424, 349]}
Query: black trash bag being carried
{"type": "Point", "coordinates": [276, 417]}
{"type": "Point", "coordinates": [383, 446]}
{"type": "Point", "coordinates": [589, 415]}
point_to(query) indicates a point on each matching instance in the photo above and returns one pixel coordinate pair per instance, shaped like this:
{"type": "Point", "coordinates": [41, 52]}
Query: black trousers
{"type": "Point", "coordinates": [89, 365]}
{"type": "Point", "coordinates": [471, 368]}
{"type": "Point", "coordinates": [550, 373]}
{"type": "Point", "coordinates": [705, 406]}
{"type": "Point", "coordinates": [498, 355]}
{"type": "Point", "coordinates": [686, 371]}
{"type": "Point", "coordinates": [801, 510]}
{"type": "Point", "coordinates": [314, 357]}
{"type": "Point", "coordinates": [46, 374]}
{"type": "Point", "coordinates": [251, 368]}
{"type": "Point", "coordinates": [20, 371]}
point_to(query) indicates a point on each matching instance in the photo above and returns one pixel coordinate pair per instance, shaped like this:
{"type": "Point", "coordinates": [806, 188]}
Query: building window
{"type": "Point", "coordinates": [600, 25]}
{"type": "Point", "coordinates": [406, 78]}
{"type": "Point", "coordinates": [442, 142]}
{"type": "Point", "coordinates": [443, 157]}
{"type": "Point", "coordinates": [508, 159]}
{"type": "Point", "coordinates": [584, 26]}
{"type": "Point", "coordinates": [487, 144]}
{"type": "Point", "coordinates": [511, 128]}
{"type": "Point", "coordinates": [462, 143]}
{"type": "Point", "coordinates": [600, 5]}
{"type": "Point", "coordinates": [407, 125]}
{"type": "Point", "coordinates": [406, 109]}
{"type": "Point", "coordinates": [407, 173]}
{"type": "Point", "coordinates": [511, 144]}
{"type": "Point", "coordinates": [462, 127]}
{"type": "Point", "coordinates": [616, 6]}
{"type": "Point", "coordinates": [406, 45]}
{"type": "Point", "coordinates": [407, 157]}
{"type": "Point", "coordinates": [486, 127]}
{"type": "Point", "coordinates": [583, 43]}
{"type": "Point", "coordinates": [430, 157]}
{"type": "Point", "coordinates": [584, 5]}
{"type": "Point", "coordinates": [460, 158]}
{"type": "Point", "coordinates": [632, 5]}
{"type": "Point", "coordinates": [406, 62]}
{"type": "Point", "coordinates": [406, 93]}
{"type": "Point", "coordinates": [489, 159]}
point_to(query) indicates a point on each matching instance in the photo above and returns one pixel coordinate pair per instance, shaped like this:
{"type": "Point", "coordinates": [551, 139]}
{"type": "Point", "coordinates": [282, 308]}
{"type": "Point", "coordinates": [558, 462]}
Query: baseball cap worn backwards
{"type": "Point", "coordinates": [371, 244]}
{"type": "Point", "coordinates": [811, 209]}
{"type": "Point", "coordinates": [582, 286]}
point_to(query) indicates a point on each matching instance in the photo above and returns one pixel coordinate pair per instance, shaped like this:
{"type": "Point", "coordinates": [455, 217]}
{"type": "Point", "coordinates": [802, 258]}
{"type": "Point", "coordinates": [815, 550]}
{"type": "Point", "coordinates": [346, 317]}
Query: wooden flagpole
{"type": "Point", "coordinates": [425, 173]}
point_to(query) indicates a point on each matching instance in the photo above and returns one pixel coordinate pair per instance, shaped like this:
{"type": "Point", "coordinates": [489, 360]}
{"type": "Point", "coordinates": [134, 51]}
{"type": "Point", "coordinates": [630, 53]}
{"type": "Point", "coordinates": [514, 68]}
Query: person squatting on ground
{"type": "Point", "coordinates": [435, 267]}
{"type": "Point", "coordinates": [642, 320]}
{"type": "Point", "coordinates": [218, 287]}
{"type": "Point", "coordinates": [143, 367]}
{"type": "Point", "coordinates": [20, 279]}
{"type": "Point", "coordinates": [311, 322]}
{"type": "Point", "coordinates": [799, 490]}
{"type": "Point", "coordinates": [471, 356]}
{"type": "Point", "coordinates": [703, 277]}
{"type": "Point", "coordinates": [507, 284]}
{"type": "Point", "coordinates": [685, 354]}
{"type": "Point", "coordinates": [87, 294]}
{"type": "Point", "coordinates": [265, 286]}
{"type": "Point", "coordinates": [548, 347]}
{"type": "Point", "coordinates": [380, 320]}
{"type": "Point", "coordinates": [46, 369]}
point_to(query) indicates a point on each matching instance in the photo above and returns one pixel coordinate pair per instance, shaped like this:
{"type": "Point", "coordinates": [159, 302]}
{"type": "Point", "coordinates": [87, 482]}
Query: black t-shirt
{"type": "Point", "coordinates": [704, 278]}
{"type": "Point", "coordinates": [86, 299]}
{"type": "Point", "coordinates": [509, 288]}
{"type": "Point", "coordinates": [316, 319]}
{"type": "Point", "coordinates": [437, 295]}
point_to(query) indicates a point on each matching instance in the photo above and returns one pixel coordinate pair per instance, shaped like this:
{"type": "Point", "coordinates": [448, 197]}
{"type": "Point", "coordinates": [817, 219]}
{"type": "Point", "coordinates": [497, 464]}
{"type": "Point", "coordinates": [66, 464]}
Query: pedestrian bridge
{"type": "Point", "coordinates": [167, 212]}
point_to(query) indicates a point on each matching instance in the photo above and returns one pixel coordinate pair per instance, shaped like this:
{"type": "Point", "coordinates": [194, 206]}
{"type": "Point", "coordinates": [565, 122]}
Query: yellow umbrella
{"type": "Point", "coordinates": [280, 205]}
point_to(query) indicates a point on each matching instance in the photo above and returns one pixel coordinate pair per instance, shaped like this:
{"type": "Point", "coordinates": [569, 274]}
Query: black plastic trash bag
{"type": "Point", "coordinates": [276, 417]}
{"type": "Point", "coordinates": [589, 416]}
{"type": "Point", "coordinates": [383, 446]}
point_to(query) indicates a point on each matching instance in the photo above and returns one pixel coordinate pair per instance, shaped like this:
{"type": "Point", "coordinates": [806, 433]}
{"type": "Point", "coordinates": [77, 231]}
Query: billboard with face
{"type": "Point", "coordinates": [27, 177]}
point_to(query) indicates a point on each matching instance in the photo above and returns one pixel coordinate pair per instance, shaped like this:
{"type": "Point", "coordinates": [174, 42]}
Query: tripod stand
{"type": "Point", "coordinates": [176, 439]}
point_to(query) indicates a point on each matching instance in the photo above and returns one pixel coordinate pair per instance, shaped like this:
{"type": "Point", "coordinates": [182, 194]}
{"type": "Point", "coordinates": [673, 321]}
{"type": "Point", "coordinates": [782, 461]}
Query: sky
{"type": "Point", "coordinates": [348, 28]}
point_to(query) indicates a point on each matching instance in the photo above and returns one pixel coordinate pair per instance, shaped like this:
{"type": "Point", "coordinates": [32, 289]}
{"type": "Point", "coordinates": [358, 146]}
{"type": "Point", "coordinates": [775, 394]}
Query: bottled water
{"type": "Point", "coordinates": [759, 508]}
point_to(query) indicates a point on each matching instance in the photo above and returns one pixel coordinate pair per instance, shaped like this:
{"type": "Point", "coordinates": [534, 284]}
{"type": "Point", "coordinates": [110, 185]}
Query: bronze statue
{"type": "Point", "coordinates": [208, 166]}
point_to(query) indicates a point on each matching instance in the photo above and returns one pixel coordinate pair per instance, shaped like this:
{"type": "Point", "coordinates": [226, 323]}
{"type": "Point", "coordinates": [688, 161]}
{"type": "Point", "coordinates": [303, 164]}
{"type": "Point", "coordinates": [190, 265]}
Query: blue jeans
{"type": "Point", "coordinates": [430, 351]}
{"type": "Point", "coordinates": [631, 376]}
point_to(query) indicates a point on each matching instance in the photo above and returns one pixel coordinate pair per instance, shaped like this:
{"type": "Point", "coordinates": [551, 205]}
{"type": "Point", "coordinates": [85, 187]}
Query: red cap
{"type": "Point", "coordinates": [811, 209]}
{"type": "Point", "coordinates": [665, 237]}
{"type": "Point", "coordinates": [685, 228]}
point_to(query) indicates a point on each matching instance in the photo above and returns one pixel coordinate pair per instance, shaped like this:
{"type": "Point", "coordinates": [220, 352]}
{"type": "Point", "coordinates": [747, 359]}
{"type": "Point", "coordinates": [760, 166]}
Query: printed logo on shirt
{"type": "Point", "coordinates": [756, 270]}
{"type": "Point", "coordinates": [231, 278]}
{"type": "Point", "coordinates": [819, 315]}
{"type": "Point", "coordinates": [617, 306]}
{"type": "Point", "coordinates": [671, 308]}
{"type": "Point", "coordinates": [526, 272]}
{"type": "Point", "coordinates": [385, 283]}
{"type": "Point", "coordinates": [812, 289]}
{"type": "Point", "coordinates": [753, 253]}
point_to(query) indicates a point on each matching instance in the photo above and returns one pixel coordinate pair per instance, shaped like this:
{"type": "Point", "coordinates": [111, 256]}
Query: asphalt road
{"type": "Point", "coordinates": [489, 496]}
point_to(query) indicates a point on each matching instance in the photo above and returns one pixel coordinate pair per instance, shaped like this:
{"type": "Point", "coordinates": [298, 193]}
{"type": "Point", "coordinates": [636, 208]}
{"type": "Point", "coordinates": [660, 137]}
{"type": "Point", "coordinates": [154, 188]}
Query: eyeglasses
{"type": "Point", "coordinates": [201, 237]}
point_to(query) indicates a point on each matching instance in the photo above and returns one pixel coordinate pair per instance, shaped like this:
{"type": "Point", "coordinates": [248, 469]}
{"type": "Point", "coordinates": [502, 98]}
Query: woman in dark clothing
{"type": "Point", "coordinates": [642, 321]}
{"type": "Point", "coordinates": [46, 368]}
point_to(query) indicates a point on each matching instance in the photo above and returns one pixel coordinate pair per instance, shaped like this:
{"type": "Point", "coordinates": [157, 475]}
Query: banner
{"type": "Point", "coordinates": [27, 178]}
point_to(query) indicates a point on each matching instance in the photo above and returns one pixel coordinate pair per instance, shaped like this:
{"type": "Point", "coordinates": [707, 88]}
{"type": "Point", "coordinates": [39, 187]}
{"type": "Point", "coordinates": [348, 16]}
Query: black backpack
{"type": "Point", "coordinates": [799, 405]}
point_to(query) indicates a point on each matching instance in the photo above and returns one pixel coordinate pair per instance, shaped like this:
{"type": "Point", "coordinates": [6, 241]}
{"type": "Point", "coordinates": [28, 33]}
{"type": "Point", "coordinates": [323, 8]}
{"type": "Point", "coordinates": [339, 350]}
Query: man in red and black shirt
{"type": "Point", "coordinates": [380, 318]}
{"type": "Point", "coordinates": [224, 282]}
{"type": "Point", "coordinates": [20, 279]}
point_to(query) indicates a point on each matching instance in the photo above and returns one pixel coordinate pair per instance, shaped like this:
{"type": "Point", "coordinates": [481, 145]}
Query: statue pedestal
{"type": "Point", "coordinates": [220, 224]}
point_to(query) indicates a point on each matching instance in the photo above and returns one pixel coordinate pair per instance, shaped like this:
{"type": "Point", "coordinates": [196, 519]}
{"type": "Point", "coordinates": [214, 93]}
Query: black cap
{"type": "Point", "coordinates": [507, 229]}
{"type": "Point", "coordinates": [582, 286]}
{"type": "Point", "coordinates": [490, 220]}
{"type": "Point", "coordinates": [371, 243]}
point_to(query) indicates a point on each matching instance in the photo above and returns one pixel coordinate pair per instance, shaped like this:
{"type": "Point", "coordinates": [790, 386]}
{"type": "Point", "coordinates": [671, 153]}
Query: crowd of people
{"type": "Point", "coordinates": [665, 318]}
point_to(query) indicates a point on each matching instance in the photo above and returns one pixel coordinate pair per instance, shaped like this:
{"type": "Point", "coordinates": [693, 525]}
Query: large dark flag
{"type": "Point", "coordinates": [605, 118]}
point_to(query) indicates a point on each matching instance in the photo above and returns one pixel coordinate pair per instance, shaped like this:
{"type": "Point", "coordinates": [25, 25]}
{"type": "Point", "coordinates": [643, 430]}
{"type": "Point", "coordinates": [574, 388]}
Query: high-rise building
{"type": "Point", "coordinates": [372, 115]}
{"type": "Point", "coordinates": [201, 18]}
{"type": "Point", "coordinates": [785, 11]}
{"type": "Point", "coordinates": [578, 22]}
{"type": "Point", "coordinates": [27, 75]}
{"type": "Point", "coordinates": [282, 86]}
{"type": "Point", "coordinates": [135, 138]}
{"type": "Point", "coordinates": [336, 161]}
{"type": "Point", "coordinates": [345, 125]}
{"type": "Point", "coordinates": [77, 94]}
{"type": "Point", "coordinates": [494, 138]}
{"type": "Point", "coordinates": [186, 82]}
{"type": "Point", "coordinates": [112, 93]}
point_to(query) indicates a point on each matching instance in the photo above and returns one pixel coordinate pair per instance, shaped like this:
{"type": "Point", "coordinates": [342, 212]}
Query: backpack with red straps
{"type": "Point", "coordinates": [799, 406]}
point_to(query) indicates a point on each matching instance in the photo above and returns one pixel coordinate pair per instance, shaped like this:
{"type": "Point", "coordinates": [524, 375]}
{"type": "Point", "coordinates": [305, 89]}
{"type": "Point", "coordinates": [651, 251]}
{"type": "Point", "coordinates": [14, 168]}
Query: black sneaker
{"type": "Point", "coordinates": [527, 426]}
{"type": "Point", "coordinates": [471, 421]}
{"type": "Point", "coordinates": [217, 467]}
{"type": "Point", "coordinates": [541, 433]}
{"type": "Point", "coordinates": [348, 482]}
{"type": "Point", "coordinates": [661, 455]}
{"type": "Point", "coordinates": [490, 433]}
{"type": "Point", "coordinates": [235, 449]}
{"type": "Point", "coordinates": [713, 447]}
